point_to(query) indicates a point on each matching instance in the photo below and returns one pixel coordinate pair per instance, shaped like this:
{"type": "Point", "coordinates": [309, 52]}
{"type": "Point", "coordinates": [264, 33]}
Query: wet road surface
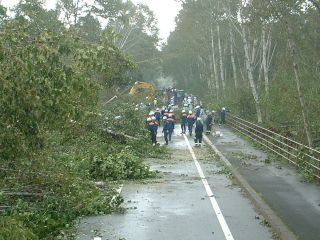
{"type": "Point", "coordinates": [177, 206]}
{"type": "Point", "coordinates": [296, 202]}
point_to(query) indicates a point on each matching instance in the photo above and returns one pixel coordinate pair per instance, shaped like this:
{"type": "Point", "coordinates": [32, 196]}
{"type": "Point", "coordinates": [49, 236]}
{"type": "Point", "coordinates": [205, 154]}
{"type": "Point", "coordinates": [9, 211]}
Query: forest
{"type": "Point", "coordinates": [258, 58]}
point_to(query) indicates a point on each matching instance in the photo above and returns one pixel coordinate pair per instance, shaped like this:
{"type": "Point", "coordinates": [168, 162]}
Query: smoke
{"type": "Point", "coordinates": [164, 82]}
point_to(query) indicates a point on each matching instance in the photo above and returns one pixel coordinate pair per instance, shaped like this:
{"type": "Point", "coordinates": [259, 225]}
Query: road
{"type": "Point", "coordinates": [295, 201]}
{"type": "Point", "coordinates": [193, 198]}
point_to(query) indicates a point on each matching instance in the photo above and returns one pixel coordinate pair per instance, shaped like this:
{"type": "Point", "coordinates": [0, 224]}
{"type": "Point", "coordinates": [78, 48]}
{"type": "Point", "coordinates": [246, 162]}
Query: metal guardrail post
{"type": "Point", "coordinates": [283, 146]}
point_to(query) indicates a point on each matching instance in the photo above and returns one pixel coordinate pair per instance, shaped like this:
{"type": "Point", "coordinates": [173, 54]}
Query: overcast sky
{"type": "Point", "coordinates": [165, 11]}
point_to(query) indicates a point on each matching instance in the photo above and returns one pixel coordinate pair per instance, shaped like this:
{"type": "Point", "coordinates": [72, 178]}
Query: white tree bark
{"type": "Point", "coordinates": [249, 67]}
{"type": "Point", "coordinates": [265, 65]}
{"type": "Point", "coordinates": [221, 60]}
{"type": "Point", "coordinates": [233, 62]}
{"type": "Point", "coordinates": [215, 70]}
{"type": "Point", "coordinates": [304, 110]}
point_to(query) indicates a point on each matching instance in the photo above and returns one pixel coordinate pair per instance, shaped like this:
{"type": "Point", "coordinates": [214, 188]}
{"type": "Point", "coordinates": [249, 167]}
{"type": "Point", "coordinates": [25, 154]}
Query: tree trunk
{"type": "Point", "coordinates": [304, 110]}
{"type": "Point", "coordinates": [249, 67]}
{"type": "Point", "coordinates": [216, 78]}
{"type": "Point", "coordinates": [264, 62]}
{"type": "Point", "coordinates": [221, 61]}
{"type": "Point", "coordinates": [234, 69]}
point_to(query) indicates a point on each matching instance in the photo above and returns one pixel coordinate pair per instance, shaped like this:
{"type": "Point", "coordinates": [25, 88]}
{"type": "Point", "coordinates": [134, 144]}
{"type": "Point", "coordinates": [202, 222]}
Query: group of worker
{"type": "Point", "coordinates": [167, 118]}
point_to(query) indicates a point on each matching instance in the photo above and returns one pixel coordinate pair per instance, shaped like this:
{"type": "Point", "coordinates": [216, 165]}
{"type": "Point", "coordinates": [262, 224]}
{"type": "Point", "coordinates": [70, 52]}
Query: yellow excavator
{"type": "Point", "coordinates": [143, 88]}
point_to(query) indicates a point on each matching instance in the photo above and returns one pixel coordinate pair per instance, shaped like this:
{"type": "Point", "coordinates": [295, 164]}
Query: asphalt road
{"type": "Point", "coordinates": [194, 198]}
{"type": "Point", "coordinates": [295, 201]}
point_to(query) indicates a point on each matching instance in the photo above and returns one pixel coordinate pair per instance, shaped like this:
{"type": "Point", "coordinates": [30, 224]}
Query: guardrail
{"type": "Point", "coordinates": [296, 153]}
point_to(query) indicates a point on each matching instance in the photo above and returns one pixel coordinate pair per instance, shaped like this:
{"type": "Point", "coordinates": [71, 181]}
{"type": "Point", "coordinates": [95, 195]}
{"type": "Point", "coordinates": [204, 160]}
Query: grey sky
{"type": "Point", "coordinates": [165, 11]}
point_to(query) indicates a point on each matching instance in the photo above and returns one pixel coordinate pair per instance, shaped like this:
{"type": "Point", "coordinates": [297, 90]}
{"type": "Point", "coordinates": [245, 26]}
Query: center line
{"type": "Point", "coordinates": [214, 203]}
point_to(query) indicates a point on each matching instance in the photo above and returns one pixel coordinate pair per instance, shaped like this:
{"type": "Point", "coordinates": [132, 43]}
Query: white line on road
{"type": "Point", "coordinates": [214, 203]}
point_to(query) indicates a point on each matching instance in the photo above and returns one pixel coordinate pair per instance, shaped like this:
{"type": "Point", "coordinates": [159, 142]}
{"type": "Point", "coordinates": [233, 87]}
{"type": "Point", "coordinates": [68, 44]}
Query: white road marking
{"type": "Point", "coordinates": [214, 203]}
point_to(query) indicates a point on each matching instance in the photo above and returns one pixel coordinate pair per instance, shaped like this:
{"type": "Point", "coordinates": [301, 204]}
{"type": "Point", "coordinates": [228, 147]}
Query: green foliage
{"type": "Point", "coordinates": [10, 229]}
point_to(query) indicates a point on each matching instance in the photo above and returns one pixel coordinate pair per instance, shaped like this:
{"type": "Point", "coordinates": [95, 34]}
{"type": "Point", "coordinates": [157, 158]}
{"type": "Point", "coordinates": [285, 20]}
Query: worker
{"type": "Point", "coordinates": [198, 111]}
{"type": "Point", "coordinates": [198, 132]}
{"type": "Point", "coordinates": [183, 121]}
{"type": "Point", "coordinates": [152, 129]}
{"type": "Point", "coordinates": [209, 122]}
{"type": "Point", "coordinates": [190, 121]}
{"type": "Point", "coordinates": [166, 129]}
{"type": "Point", "coordinates": [157, 115]}
{"type": "Point", "coordinates": [223, 116]}
{"type": "Point", "coordinates": [171, 121]}
{"type": "Point", "coordinates": [156, 125]}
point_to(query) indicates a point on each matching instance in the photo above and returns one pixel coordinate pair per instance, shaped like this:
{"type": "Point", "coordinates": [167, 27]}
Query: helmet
{"type": "Point", "coordinates": [153, 118]}
{"type": "Point", "coordinates": [171, 110]}
{"type": "Point", "coordinates": [190, 112]}
{"type": "Point", "coordinates": [149, 119]}
{"type": "Point", "coordinates": [170, 115]}
{"type": "Point", "coordinates": [164, 118]}
{"type": "Point", "coordinates": [151, 113]}
{"type": "Point", "coordinates": [158, 109]}
{"type": "Point", "coordinates": [136, 109]}
{"type": "Point", "coordinates": [223, 108]}
{"type": "Point", "coordinates": [183, 111]}
{"type": "Point", "coordinates": [198, 106]}
{"type": "Point", "coordinates": [166, 110]}
{"type": "Point", "coordinates": [198, 119]}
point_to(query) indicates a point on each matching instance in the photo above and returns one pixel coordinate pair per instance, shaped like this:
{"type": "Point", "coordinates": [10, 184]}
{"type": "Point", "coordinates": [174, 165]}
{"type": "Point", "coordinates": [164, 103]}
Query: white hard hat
{"type": "Point", "coordinates": [198, 119]}
{"type": "Point", "coordinates": [190, 112]}
{"type": "Point", "coordinates": [151, 113]}
{"type": "Point", "coordinates": [171, 110]}
{"type": "Point", "coordinates": [164, 118]}
{"type": "Point", "coordinates": [136, 109]}
{"type": "Point", "coordinates": [158, 109]}
{"type": "Point", "coordinates": [149, 119]}
{"type": "Point", "coordinates": [183, 111]}
{"type": "Point", "coordinates": [170, 115]}
{"type": "Point", "coordinates": [153, 118]}
{"type": "Point", "coordinates": [223, 108]}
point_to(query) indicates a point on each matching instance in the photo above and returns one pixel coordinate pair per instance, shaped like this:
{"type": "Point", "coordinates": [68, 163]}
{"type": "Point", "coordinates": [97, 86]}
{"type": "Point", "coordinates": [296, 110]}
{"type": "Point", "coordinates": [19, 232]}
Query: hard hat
{"type": "Point", "coordinates": [166, 110]}
{"type": "Point", "coordinates": [198, 106]}
{"type": "Point", "coordinates": [136, 109]}
{"type": "Point", "coordinates": [153, 118]}
{"type": "Point", "coordinates": [117, 117]}
{"type": "Point", "coordinates": [223, 108]}
{"type": "Point", "coordinates": [151, 113]}
{"type": "Point", "coordinates": [183, 111]}
{"type": "Point", "coordinates": [190, 112]}
{"type": "Point", "coordinates": [149, 119]}
{"type": "Point", "coordinates": [164, 118]}
{"type": "Point", "coordinates": [157, 109]}
{"type": "Point", "coordinates": [171, 110]}
{"type": "Point", "coordinates": [198, 119]}
{"type": "Point", "coordinates": [170, 115]}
